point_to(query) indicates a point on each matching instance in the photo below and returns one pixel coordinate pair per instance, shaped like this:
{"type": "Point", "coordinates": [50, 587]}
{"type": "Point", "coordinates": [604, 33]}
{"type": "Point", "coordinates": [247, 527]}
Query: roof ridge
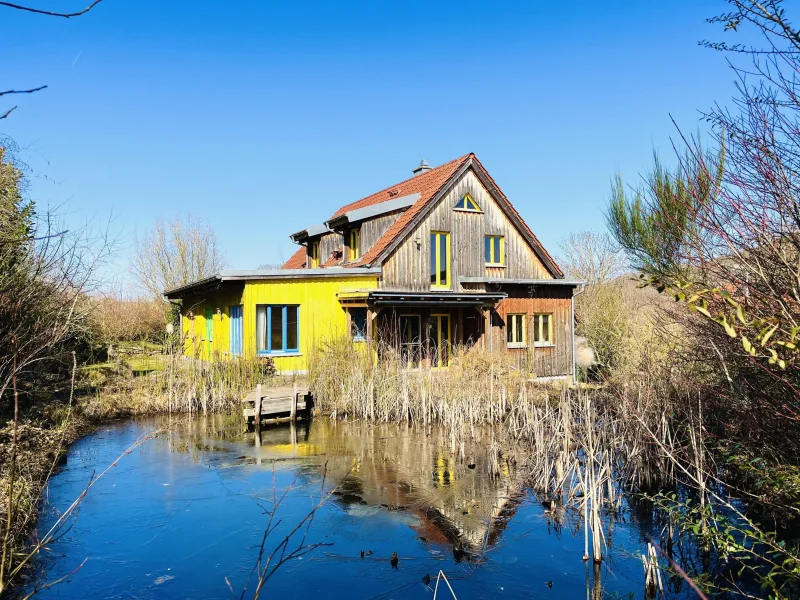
{"type": "Point", "coordinates": [414, 178]}
{"type": "Point", "coordinates": [557, 268]}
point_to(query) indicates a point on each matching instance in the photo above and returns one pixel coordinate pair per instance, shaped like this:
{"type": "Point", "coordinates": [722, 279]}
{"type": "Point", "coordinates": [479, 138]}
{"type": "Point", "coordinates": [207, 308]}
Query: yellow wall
{"type": "Point", "coordinates": [321, 315]}
{"type": "Point", "coordinates": [194, 328]}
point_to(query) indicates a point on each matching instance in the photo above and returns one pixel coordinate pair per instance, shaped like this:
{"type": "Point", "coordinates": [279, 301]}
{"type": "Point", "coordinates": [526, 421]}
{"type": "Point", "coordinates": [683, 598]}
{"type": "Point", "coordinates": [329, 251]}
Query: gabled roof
{"type": "Point", "coordinates": [430, 186]}
{"type": "Point", "coordinates": [425, 184]}
{"type": "Point", "coordinates": [389, 240]}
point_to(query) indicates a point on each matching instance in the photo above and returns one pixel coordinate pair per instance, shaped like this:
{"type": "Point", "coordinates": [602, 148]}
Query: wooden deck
{"type": "Point", "coordinates": [275, 404]}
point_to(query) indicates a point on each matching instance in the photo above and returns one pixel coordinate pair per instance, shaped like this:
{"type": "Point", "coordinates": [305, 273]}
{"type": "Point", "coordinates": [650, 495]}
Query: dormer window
{"type": "Point", "coordinates": [314, 253]}
{"type": "Point", "coordinates": [355, 240]}
{"type": "Point", "coordinates": [467, 204]}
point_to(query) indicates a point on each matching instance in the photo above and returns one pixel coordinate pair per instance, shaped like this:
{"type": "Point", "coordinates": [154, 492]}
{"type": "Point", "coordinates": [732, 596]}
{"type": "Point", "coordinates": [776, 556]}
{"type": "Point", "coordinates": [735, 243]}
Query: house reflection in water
{"type": "Point", "coordinates": [403, 468]}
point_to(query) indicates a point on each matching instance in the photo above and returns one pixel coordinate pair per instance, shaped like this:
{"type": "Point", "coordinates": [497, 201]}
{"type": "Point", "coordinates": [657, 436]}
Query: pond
{"type": "Point", "coordinates": [184, 514]}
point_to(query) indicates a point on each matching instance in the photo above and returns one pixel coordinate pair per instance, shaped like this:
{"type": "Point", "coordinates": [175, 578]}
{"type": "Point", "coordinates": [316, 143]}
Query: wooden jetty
{"type": "Point", "coordinates": [277, 404]}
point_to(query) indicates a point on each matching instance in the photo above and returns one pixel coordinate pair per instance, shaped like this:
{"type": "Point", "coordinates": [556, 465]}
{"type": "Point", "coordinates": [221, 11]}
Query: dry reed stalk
{"type": "Point", "coordinates": [652, 573]}
{"type": "Point", "coordinates": [441, 575]}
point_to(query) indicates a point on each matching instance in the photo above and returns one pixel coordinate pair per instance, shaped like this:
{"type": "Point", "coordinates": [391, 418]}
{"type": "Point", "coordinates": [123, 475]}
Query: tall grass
{"type": "Point", "coordinates": [179, 384]}
{"type": "Point", "coordinates": [581, 448]}
{"type": "Point", "coordinates": [478, 387]}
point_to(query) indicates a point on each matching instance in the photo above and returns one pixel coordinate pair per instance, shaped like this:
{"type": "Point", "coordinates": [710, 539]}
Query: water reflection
{"type": "Point", "coordinates": [395, 468]}
{"type": "Point", "coordinates": [183, 516]}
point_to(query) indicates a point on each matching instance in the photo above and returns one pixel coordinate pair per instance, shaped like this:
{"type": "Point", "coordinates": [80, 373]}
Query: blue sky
{"type": "Point", "coordinates": [264, 117]}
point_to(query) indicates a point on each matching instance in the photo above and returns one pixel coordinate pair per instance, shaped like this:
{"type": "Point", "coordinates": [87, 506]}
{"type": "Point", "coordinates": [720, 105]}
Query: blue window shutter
{"type": "Point", "coordinates": [236, 330]}
{"type": "Point", "coordinates": [269, 329]}
{"type": "Point", "coordinates": [298, 329]}
{"type": "Point", "coordinates": [283, 328]}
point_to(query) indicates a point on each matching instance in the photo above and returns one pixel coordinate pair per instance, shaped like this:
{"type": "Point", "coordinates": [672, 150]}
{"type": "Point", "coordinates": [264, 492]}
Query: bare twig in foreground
{"type": "Point", "coordinates": [62, 520]}
{"type": "Point", "coordinates": [283, 552]}
{"type": "Point", "coordinates": [679, 571]}
{"type": "Point", "coordinates": [441, 575]}
{"type": "Point", "coordinates": [49, 13]}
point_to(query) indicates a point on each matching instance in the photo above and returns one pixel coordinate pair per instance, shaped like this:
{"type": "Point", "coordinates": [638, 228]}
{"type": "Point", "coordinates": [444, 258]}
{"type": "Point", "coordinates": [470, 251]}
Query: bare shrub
{"type": "Point", "coordinates": [175, 253]}
{"type": "Point", "coordinates": [139, 320]}
{"type": "Point", "coordinates": [46, 274]}
{"type": "Point", "coordinates": [619, 320]}
{"type": "Point", "coordinates": [592, 257]}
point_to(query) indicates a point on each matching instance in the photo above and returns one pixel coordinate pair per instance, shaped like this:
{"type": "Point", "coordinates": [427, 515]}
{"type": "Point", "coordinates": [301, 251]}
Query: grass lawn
{"type": "Point", "coordinates": [142, 365]}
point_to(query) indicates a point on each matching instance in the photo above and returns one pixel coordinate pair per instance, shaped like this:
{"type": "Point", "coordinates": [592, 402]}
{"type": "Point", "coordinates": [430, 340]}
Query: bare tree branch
{"type": "Point", "coordinates": [39, 11]}
{"type": "Point", "coordinates": [23, 91]}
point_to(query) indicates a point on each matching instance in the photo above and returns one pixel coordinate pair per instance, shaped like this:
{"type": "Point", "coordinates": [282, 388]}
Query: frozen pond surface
{"type": "Point", "coordinates": [185, 512]}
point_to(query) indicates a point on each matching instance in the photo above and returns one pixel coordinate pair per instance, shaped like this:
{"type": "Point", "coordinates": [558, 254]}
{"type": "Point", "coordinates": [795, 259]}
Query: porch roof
{"type": "Point", "coordinates": [434, 299]}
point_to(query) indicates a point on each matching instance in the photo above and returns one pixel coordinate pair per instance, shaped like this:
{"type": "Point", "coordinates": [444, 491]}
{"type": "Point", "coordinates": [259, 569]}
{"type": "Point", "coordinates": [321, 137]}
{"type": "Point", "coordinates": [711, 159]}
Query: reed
{"type": "Point", "coordinates": [579, 448]}
{"type": "Point", "coordinates": [478, 388]}
{"type": "Point", "coordinates": [173, 383]}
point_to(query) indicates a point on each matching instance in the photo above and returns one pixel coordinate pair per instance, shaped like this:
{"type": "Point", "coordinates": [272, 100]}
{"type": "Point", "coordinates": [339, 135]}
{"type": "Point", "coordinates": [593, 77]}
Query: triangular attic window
{"type": "Point", "coordinates": [467, 203]}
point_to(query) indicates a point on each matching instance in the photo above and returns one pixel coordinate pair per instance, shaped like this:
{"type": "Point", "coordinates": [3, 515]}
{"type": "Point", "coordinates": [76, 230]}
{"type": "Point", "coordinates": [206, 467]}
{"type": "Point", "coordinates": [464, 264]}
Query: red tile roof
{"type": "Point", "coordinates": [297, 261]}
{"type": "Point", "coordinates": [336, 258]}
{"type": "Point", "coordinates": [427, 185]}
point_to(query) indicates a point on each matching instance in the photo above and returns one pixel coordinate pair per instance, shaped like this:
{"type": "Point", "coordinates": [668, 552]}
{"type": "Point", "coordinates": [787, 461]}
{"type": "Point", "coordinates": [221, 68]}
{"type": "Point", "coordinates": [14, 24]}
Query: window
{"type": "Point", "coordinates": [314, 252]}
{"type": "Point", "coordinates": [494, 250]}
{"type": "Point", "coordinates": [467, 203]}
{"type": "Point", "coordinates": [515, 331]}
{"type": "Point", "coordinates": [411, 340]}
{"type": "Point", "coordinates": [543, 330]}
{"type": "Point", "coordinates": [440, 334]}
{"type": "Point", "coordinates": [355, 239]}
{"type": "Point", "coordinates": [277, 328]}
{"type": "Point", "coordinates": [440, 259]}
{"type": "Point", "coordinates": [358, 324]}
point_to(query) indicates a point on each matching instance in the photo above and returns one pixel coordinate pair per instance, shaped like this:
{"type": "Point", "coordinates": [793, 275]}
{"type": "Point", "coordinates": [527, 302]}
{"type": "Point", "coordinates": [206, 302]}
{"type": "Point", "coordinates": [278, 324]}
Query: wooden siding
{"type": "Point", "coordinates": [371, 231]}
{"type": "Point", "coordinates": [328, 243]}
{"type": "Point", "coordinates": [408, 267]}
{"type": "Point", "coordinates": [321, 315]}
{"type": "Point", "coordinates": [552, 361]}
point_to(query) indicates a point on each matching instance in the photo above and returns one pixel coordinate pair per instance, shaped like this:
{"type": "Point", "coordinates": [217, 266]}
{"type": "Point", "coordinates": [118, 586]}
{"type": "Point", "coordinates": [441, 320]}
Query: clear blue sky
{"type": "Point", "coordinates": [264, 117]}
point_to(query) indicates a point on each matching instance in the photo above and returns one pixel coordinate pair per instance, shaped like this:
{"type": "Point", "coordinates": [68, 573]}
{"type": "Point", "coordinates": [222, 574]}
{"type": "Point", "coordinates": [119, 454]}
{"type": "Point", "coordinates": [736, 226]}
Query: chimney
{"type": "Point", "coordinates": [423, 166]}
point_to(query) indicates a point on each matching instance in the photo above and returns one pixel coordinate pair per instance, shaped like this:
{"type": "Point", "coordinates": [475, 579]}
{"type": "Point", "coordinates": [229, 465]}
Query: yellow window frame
{"type": "Point", "coordinates": [355, 240]}
{"type": "Point", "coordinates": [438, 318]}
{"type": "Point", "coordinates": [438, 283]}
{"type": "Point", "coordinates": [314, 255]}
{"type": "Point", "coordinates": [496, 261]}
{"type": "Point", "coordinates": [538, 323]}
{"type": "Point", "coordinates": [469, 204]}
{"type": "Point", "coordinates": [514, 321]}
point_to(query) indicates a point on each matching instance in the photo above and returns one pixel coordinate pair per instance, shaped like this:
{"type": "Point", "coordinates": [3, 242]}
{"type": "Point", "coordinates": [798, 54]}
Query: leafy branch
{"type": "Point", "coordinates": [769, 337]}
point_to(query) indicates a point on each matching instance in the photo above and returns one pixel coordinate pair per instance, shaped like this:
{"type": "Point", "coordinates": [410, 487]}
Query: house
{"type": "Point", "coordinates": [440, 259]}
